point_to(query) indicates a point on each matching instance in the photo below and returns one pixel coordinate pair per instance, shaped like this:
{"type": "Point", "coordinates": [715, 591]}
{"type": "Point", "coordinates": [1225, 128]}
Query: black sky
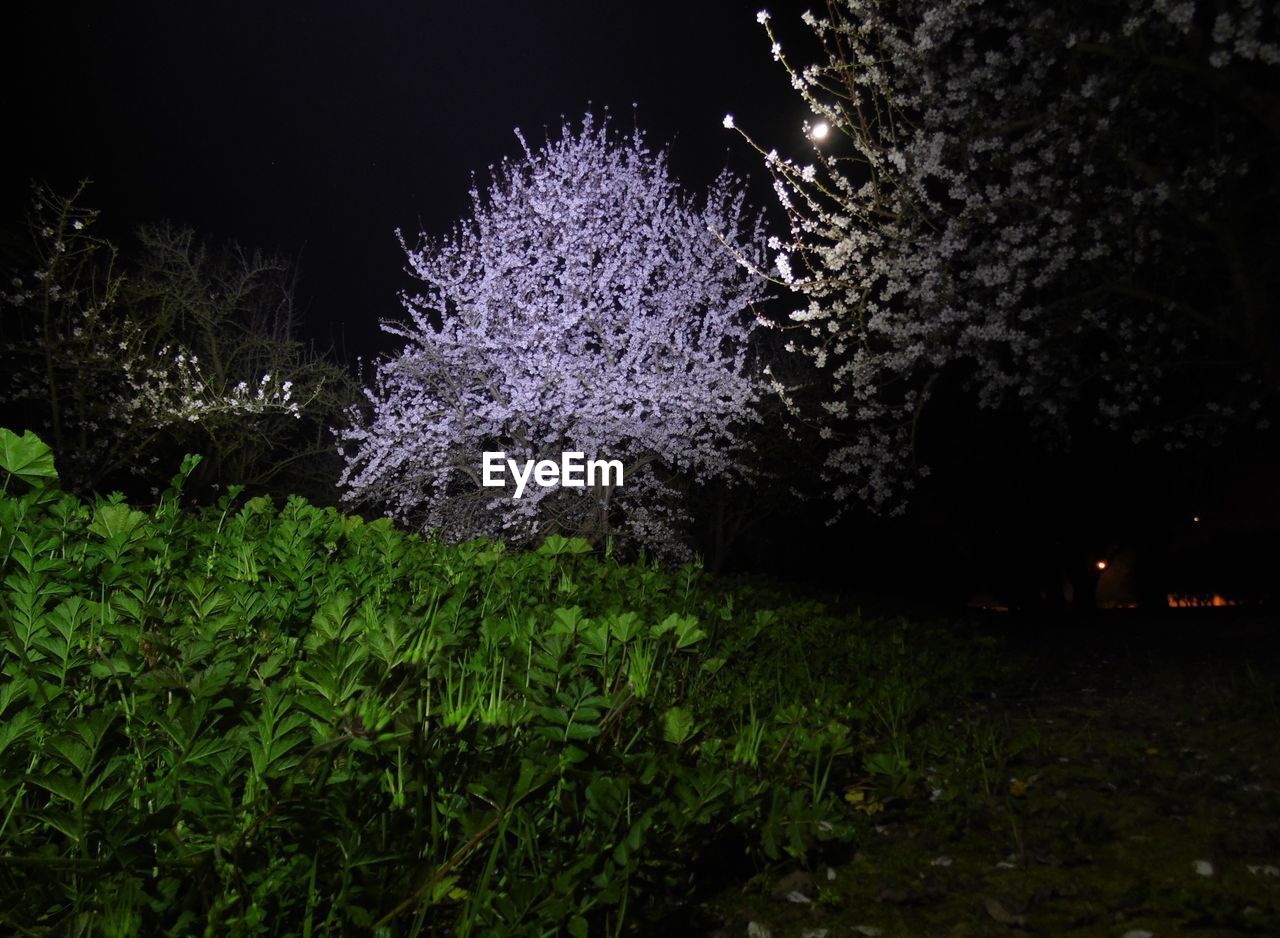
{"type": "Point", "coordinates": [318, 128]}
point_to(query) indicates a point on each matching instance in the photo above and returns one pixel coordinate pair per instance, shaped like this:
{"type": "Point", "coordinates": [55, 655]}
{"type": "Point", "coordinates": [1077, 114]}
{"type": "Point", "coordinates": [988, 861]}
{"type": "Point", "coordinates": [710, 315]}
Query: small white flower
{"type": "Point", "coordinates": [728, 122]}
{"type": "Point", "coordinates": [784, 268]}
{"type": "Point", "coordinates": [762, 17]}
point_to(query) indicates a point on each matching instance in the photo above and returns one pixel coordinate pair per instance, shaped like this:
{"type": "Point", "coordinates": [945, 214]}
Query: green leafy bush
{"type": "Point", "coordinates": [276, 719]}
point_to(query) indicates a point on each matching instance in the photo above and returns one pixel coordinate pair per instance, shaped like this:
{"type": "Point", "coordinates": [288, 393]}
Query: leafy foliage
{"type": "Point", "coordinates": [587, 305]}
{"type": "Point", "coordinates": [276, 719]}
{"type": "Point", "coordinates": [26, 457]}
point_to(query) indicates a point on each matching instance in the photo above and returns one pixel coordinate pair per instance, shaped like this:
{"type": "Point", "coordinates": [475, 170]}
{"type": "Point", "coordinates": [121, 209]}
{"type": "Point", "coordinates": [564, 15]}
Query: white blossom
{"type": "Point", "coordinates": [1004, 200]}
{"type": "Point", "coordinates": [586, 304]}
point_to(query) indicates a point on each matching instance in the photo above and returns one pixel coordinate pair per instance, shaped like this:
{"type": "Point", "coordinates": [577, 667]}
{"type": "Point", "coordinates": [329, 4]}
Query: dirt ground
{"type": "Point", "coordinates": [1127, 783]}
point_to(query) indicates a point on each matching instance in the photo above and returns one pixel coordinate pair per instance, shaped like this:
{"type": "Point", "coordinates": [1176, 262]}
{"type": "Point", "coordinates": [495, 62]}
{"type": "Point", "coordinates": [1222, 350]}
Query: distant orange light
{"type": "Point", "coordinates": [1201, 600]}
{"type": "Point", "coordinates": [1101, 565]}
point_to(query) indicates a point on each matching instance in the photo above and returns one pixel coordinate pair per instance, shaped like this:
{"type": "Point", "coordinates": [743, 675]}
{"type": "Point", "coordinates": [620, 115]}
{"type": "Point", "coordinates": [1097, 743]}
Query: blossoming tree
{"type": "Point", "coordinates": [122, 361]}
{"type": "Point", "coordinates": [1072, 208]}
{"type": "Point", "coordinates": [587, 304]}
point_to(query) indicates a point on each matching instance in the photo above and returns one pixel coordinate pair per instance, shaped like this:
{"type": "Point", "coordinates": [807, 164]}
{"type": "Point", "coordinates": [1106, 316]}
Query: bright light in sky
{"type": "Point", "coordinates": [820, 131]}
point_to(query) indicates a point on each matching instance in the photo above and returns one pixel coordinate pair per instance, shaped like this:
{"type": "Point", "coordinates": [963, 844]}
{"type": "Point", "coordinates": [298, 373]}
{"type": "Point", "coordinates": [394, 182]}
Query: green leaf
{"type": "Point", "coordinates": [555, 545]}
{"type": "Point", "coordinates": [75, 752]}
{"type": "Point", "coordinates": [567, 621]}
{"type": "Point", "coordinates": [26, 457]}
{"type": "Point", "coordinates": [16, 729]}
{"type": "Point", "coordinates": [64, 786]}
{"type": "Point", "coordinates": [65, 822]}
{"type": "Point", "coordinates": [677, 725]}
{"type": "Point", "coordinates": [665, 626]}
{"type": "Point", "coordinates": [688, 633]}
{"type": "Point", "coordinates": [582, 731]}
{"type": "Point", "coordinates": [625, 626]}
{"type": "Point", "coordinates": [554, 715]}
{"type": "Point", "coordinates": [110, 520]}
{"type": "Point", "coordinates": [210, 682]}
{"type": "Point", "coordinates": [685, 628]}
{"type": "Point", "coordinates": [885, 763]}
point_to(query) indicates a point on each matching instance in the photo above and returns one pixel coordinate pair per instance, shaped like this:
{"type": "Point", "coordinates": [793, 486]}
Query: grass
{"type": "Point", "coordinates": [1112, 786]}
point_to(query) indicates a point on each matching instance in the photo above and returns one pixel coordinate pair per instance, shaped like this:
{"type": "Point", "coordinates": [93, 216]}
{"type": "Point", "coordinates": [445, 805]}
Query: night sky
{"type": "Point", "coordinates": [316, 129]}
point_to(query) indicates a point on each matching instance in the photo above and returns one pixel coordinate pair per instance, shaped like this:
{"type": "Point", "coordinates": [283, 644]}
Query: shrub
{"type": "Point", "coordinates": [276, 718]}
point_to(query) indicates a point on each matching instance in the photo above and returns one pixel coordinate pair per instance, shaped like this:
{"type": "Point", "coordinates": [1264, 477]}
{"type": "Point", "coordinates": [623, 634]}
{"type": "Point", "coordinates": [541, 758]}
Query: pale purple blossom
{"type": "Point", "coordinates": [586, 304]}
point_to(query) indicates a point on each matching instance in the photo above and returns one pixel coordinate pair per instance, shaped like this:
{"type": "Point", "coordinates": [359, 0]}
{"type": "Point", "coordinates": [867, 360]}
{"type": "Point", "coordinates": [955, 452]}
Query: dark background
{"type": "Point", "coordinates": [316, 129]}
